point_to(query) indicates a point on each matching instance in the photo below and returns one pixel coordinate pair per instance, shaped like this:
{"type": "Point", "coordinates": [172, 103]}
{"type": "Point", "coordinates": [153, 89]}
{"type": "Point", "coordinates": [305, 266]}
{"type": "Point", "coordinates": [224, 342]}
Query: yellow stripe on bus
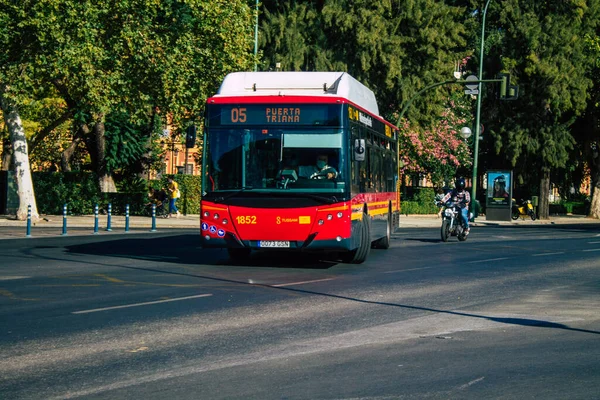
{"type": "Point", "coordinates": [378, 211]}
{"type": "Point", "coordinates": [338, 208]}
{"type": "Point", "coordinates": [378, 203]}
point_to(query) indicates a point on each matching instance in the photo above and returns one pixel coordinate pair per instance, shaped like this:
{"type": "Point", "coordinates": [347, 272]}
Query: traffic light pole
{"type": "Point", "coordinates": [478, 112]}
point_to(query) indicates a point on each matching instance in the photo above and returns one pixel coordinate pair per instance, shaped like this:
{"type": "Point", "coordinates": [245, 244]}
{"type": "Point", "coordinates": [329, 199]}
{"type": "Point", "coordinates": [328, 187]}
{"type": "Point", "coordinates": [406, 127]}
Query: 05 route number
{"type": "Point", "coordinates": [238, 115]}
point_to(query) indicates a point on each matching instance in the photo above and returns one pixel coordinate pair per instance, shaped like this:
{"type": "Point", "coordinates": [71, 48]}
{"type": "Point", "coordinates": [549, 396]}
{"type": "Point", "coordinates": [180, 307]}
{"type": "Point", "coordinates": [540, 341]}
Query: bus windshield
{"type": "Point", "coordinates": [275, 159]}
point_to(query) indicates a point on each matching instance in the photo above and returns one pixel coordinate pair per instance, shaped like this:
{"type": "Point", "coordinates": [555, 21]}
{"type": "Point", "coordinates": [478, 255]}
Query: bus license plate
{"type": "Point", "coordinates": [273, 243]}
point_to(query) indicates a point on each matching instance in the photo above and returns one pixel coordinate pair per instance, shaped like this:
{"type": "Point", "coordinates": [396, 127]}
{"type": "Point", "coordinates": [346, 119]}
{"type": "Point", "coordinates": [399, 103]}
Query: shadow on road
{"type": "Point", "coordinates": [185, 249]}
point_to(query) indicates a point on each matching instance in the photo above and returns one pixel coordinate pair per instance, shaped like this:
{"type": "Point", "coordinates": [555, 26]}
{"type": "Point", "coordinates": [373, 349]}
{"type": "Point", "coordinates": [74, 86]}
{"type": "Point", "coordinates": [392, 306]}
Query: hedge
{"type": "Point", "coordinates": [79, 190]}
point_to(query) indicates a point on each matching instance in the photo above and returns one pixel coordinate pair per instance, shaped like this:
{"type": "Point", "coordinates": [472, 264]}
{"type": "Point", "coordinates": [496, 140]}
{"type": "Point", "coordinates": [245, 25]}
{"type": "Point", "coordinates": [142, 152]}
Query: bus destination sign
{"type": "Point", "coordinates": [300, 114]}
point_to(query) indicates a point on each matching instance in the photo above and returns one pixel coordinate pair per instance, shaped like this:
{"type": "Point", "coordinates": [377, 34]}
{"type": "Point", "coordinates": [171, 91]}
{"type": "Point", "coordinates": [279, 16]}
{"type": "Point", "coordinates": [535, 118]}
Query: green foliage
{"type": "Point", "coordinates": [570, 207]}
{"type": "Point", "coordinates": [394, 48]}
{"type": "Point", "coordinates": [541, 47]}
{"type": "Point", "coordinates": [414, 207]}
{"type": "Point", "coordinates": [78, 190]}
{"type": "Point", "coordinates": [125, 142]}
{"type": "Point", "coordinates": [123, 58]}
{"type": "Point", "coordinates": [421, 203]}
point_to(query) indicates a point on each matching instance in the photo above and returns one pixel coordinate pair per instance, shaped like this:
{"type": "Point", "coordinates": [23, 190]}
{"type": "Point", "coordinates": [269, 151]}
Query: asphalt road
{"type": "Point", "coordinates": [510, 313]}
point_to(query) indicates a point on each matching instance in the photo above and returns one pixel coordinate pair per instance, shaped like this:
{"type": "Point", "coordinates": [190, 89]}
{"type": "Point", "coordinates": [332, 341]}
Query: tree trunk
{"type": "Point", "coordinates": [67, 154]}
{"type": "Point", "coordinates": [6, 154]}
{"type": "Point", "coordinates": [105, 179]}
{"type": "Point", "coordinates": [544, 206]}
{"type": "Point", "coordinates": [21, 157]}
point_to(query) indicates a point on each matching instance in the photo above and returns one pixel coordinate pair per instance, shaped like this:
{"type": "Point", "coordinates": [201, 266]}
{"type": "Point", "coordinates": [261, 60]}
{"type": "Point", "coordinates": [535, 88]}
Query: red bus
{"type": "Point", "coordinates": [265, 133]}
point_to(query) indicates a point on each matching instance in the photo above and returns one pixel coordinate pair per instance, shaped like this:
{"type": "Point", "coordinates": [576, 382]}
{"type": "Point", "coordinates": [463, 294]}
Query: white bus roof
{"type": "Point", "coordinates": [338, 84]}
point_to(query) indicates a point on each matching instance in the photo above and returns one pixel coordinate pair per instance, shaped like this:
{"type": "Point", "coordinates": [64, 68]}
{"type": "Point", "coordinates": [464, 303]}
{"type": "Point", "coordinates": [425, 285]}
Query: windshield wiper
{"type": "Point", "coordinates": [230, 195]}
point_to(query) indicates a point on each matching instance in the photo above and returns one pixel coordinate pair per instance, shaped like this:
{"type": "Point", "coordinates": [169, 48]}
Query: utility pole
{"type": "Point", "coordinates": [478, 112]}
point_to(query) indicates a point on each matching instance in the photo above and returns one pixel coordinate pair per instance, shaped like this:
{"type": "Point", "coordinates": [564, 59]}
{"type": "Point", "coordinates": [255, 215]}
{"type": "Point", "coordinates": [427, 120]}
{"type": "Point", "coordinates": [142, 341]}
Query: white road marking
{"type": "Point", "coordinates": [548, 254]}
{"type": "Point", "coordinates": [140, 304]}
{"type": "Point", "coordinates": [466, 385]}
{"type": "Point", "coordinates": [406, 270]}
{"type": "Point", "coordinates": [488, 260]}
{"type": "Point", "coordinates": [593, 242]}
{"type": "Point", "coordinates": [591, 250]}
{"type": "Point", "coordinates": [10, 278]}
{"type": "Point", "coordinates": [301, 283]}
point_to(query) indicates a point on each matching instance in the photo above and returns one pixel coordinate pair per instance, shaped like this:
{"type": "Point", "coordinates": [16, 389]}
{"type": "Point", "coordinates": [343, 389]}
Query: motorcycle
{"type": "Point", "coordinates": [452, 222]}
{"type": "Point", "coordinates": [525, 208]}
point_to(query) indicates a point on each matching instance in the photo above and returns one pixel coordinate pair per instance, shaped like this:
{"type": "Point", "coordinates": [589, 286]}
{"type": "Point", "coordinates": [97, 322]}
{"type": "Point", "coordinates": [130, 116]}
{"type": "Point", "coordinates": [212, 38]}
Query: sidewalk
{"type": "Point", "coordinates": [52, 225]}
{"type": "Point", "coordinates": [432, 220]}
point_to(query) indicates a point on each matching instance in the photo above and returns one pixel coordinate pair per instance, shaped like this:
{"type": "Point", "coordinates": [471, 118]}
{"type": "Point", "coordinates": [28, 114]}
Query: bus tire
{"type": "Point", "coordinates": [359, 255]}
{"type": "Point", "coordinates": [365, 241]}
{"type": "Point", "coordinates": [237, 254]}
{"type": "Point", "coordinates": [384, 242]}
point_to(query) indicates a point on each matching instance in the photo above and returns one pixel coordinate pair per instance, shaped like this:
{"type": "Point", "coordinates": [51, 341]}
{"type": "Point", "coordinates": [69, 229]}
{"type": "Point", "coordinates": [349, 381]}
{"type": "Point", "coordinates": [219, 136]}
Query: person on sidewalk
{"type": "Point", "coordinates": [462, 197]}
{"type": "Point", "coordinates": [174, 194]}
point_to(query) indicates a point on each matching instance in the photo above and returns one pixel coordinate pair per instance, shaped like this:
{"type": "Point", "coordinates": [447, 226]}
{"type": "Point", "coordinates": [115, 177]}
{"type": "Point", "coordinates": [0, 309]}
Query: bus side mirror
{"type": "Point", "coordinates": [359, 149]}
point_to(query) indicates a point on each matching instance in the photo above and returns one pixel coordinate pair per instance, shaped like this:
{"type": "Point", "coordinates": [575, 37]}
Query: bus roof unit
{"type": "Point", "coordinates": [338, 84]}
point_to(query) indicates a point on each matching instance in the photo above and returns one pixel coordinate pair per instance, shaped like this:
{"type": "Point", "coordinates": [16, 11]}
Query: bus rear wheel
{"type": "Point", "coordinates": [384, 242]}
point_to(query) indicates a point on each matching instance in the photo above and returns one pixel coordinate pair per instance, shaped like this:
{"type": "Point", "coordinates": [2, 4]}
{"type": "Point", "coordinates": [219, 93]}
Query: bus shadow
{"type": "Point", "coordinates": [186, 249]}
{"type": "Point", "coordinates": [423, 240]}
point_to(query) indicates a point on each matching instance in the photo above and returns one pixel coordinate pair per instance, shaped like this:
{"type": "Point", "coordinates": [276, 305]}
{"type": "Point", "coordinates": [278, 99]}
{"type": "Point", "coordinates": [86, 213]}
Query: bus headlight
{"type": "Point", "coordinates": [321, 222]}
{"type": "Point", "coordinates": [206, 214]}
{"type": "Point", "coordinates": [340, 214]}
{"type": "Point", "coordinates": [329, 217]}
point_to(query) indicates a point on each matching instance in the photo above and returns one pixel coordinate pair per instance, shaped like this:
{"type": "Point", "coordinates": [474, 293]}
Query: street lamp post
{"type": "Point", "coordinates": [477, 113]}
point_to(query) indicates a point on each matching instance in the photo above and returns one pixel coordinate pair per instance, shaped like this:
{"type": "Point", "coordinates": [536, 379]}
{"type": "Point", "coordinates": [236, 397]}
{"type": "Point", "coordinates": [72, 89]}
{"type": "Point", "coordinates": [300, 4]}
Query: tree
{"type": "Point", "coordinates": [10, 78]}
{"type": "Point", "coordinates": [589, 125]}
{"type": "Point", "coordinates": [396, 49]}
{"type": "Point", "coordinates": [124, 57]}
{"type": "Point", "coordinates": [20, 154]}
{"type": "Point", "coordinates": [439, 151]}
{"type": "Point", "coordinates": [541, 44]}
{"type": "Point", "coordinates": [393, 48]}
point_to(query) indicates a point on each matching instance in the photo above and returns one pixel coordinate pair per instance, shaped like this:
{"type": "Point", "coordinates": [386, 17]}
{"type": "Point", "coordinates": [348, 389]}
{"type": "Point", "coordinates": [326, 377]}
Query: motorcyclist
{"type": "Point", "coordinates": [462, 198]}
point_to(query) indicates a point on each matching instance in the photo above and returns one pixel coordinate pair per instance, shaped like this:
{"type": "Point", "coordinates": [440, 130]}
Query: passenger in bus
{"type": "Point", "coordinates": [321, 169]}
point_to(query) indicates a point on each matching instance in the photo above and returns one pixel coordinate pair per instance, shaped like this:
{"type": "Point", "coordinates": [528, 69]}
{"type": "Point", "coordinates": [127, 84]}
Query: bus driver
{"type": "Point", "coordinates": [321, 169]}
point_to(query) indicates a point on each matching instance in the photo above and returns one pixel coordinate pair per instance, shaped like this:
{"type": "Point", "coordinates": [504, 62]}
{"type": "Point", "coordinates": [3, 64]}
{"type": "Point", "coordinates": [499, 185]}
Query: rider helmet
{"type": "Point", "coordinates": [460, 183]}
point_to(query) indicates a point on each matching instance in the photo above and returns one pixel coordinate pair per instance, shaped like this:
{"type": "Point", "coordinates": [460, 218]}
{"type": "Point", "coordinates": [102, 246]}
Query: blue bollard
{"type": "Point", "coordinates": [28, 234]}
{"type": "Point", "coordinates": [153, 218]}
{"type": "Point", "coordinates": [64, 231]}
{"type": "Point", "coordinates": [96, 219]}
{"type": "Point", "coordinates": [127, 218]}
{"type": "Point", "coordinates": [108, 228]}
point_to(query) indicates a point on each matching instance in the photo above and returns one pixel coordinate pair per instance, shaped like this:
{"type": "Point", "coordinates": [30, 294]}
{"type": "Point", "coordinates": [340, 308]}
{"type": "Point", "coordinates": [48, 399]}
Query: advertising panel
{"type": "Point", "coordinates": [499, 188]}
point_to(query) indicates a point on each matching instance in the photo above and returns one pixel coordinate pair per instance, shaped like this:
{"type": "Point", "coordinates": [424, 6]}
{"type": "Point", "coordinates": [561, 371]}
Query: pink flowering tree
{"type": "Point", "coordinates": [438, 151]}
